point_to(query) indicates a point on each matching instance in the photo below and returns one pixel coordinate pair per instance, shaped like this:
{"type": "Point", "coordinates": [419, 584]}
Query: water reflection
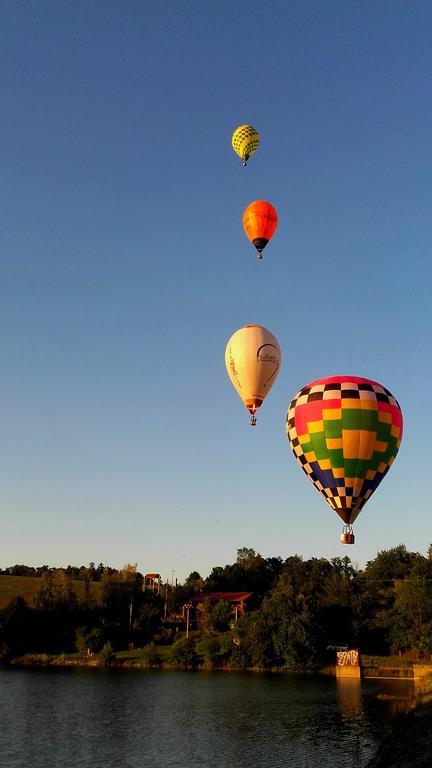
{"type": "Point", "coordinates": [349, 690]}
{"type": "Point", "coordinates": [159, 719]}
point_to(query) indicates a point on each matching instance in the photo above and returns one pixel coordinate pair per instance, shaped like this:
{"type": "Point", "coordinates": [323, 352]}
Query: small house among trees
{"type": "Point", "coordinates": [207, 600]}
{"type": "Point", "coordinates": [153, 582]}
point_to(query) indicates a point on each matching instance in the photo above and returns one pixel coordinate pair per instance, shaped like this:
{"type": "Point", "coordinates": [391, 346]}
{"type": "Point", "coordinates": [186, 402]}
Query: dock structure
{"type": "Point", "coordinates": [350, 663]}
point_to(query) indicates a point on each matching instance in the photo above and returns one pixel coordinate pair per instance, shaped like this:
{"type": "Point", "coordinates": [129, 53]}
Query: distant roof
{"type": "Point", "coordinates": [152, 576]}
{"type": "Point", "coordinates": [231, 597]}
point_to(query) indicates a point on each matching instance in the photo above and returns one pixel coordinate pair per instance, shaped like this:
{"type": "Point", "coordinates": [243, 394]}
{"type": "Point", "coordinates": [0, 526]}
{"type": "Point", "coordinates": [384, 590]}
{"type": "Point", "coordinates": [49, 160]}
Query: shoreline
{"type": "Point", "coordinates": [46, 660]}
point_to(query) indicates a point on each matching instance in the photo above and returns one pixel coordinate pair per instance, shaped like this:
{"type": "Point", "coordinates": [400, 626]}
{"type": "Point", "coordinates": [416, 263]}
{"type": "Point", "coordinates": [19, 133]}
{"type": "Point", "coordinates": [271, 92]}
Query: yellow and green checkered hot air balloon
{"type": "Point", "coordinates": [245, 141]}
{"type": "Point", "coordinates": [345, 432]}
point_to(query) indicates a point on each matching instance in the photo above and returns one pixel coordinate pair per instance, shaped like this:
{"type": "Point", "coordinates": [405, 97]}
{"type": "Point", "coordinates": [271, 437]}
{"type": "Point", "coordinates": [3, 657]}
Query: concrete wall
{"type": "Point", "coordinates": [348, 671]}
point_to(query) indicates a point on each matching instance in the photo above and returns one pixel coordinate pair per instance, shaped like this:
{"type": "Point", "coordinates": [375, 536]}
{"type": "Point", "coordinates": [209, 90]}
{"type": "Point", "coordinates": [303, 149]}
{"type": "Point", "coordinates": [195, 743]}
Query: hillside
{"type": "Point", "coordinates": [25, 586]}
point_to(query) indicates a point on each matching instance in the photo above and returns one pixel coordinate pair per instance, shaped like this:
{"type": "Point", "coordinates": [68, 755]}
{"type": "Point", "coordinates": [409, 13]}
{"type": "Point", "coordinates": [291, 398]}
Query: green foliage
{"type": "Point", "coordinates": [148, 617]}
{"type": "Point", "coordinates": [252, 642]}
{"type": "Point", "coordinates": [292, 616]}
{"type": "Point", "coordinates": [88, 640]}
{"type": "Point", "coordinates": [44, 595]}
{"type": "Point", "coordinates": [183, 652]}
{"type": "Point", "coordinates": [377, 597]}
{"type": "Point", "coordinates": [126, 605]}
{"type": "Point", "coordinates": [118, 588]}
{"type": "Point", "coordinates": [194, 582]}
{"type": "Point", "coordinates": [410, 620]}
{"type": "Point", "coordinates": [298, 608]}
{"type": "Point", "coordinates": [214, 649]}
{"type": "Point", "coordinates": [220, 616]}
{"type": "Point", "coordinates": [391, 564]}
{"type": "Point", "coordinates": [151, 655]}
{"type": "Point", "coordinates": [250, 573]}
{"type": "Point", "coordinates": [106, 655]}
{"type": "Point", "coordinates": [248, 558]}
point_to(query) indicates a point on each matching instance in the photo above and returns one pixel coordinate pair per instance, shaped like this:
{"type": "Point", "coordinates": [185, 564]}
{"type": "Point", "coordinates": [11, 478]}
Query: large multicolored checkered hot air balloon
{"type": "Point", "coordinates": [345, 432]}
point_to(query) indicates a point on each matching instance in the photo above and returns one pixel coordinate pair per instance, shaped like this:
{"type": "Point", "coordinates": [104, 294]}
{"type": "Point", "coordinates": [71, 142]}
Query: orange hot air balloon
{"type": "Point", "coordinates": [260, 222]}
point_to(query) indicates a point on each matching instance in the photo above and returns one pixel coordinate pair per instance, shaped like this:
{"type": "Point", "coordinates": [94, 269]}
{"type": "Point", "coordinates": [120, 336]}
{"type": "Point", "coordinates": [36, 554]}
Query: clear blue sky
{"type": "Point", "coordinates": [125, 269]}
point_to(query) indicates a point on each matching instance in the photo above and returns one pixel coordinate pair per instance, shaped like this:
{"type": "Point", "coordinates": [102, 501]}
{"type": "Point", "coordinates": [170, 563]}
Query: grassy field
{"type": "Point", "coordinates": [12, 586]}
{"type": "Point", "coordinates": [25, 586]}
{"type": "Point", "coordinates": [139, 654]}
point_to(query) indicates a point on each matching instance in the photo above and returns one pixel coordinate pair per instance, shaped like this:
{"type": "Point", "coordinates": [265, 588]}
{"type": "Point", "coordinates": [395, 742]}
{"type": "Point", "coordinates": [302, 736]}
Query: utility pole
{"type": "Point", "coordinates": [130, 621]}
{"type": "Point", "coordinates": [188, 606]}
{"type": "Point", "coordinates": [166, 601]}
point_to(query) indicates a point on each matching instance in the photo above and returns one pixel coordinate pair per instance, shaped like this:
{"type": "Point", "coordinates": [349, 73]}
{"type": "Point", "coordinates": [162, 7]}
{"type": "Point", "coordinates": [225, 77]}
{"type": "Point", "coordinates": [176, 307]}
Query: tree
{"type": "Point", "coordinates": [63, 592]}
{"type": "Point", "coordinates": [148, 617]}
{"type": "Point", "coordinates": [220, 616]}
{"type": "Point", "coordinates": [87, 576]}
{"type": "Point", "coordinates": [378, 584]}
{"type": "Point", "coordinates": [151, 655]}
{"type": "Point", "coordinates": [16, 627]}
{"type": "Point", "coordinates": [106, 655]}
{"type": "Point", "coordinates": [248, 558]}
{"type": "Point", "coordinates": [88, 639]}
{"type": "Point", "coordinates": [210, 648]}
{"type": "Point", "coordinates": [391, 564]}
{"type": "Point", "coordinates": [44, 595]}
{"type": "Point", "coordinates": [183, 652]}
{"type": "Point", "coordinates": [117, 590]}
{"type": "Point", "coordinates": [253, 641]}
{"type": "Point", "coordinates": [194, 582]}
{"type": "Point", "coordinates": [411, 617]}
{"type": "Point", "coordinates": [292, 615]}
{"type": "Point", "coordinates": [250, 573]}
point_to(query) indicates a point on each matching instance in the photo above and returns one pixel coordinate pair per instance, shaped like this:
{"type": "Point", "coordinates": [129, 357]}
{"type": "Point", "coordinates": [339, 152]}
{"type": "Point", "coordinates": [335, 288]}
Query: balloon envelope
{"type": "Point", "coordinates": [252, 359]}
{"type": "Point", "coordinates": [345, 432]}
{"type": "Point", "coordinates": [260, 222]}
{"type": "Point", "coordinates": [245, 141]}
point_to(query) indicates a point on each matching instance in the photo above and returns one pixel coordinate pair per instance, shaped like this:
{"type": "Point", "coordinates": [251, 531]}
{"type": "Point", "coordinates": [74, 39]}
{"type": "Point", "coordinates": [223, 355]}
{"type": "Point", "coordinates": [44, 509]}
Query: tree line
{"type": "Point", "coordinates": [299, 611]}
{"type": "Point", "coordinates": [78, 573]}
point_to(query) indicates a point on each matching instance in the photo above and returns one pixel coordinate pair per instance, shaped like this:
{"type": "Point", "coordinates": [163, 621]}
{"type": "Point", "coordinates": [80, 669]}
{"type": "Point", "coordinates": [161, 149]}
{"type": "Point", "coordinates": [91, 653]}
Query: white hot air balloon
{"type": "Point", "coordinates": [252, 359]}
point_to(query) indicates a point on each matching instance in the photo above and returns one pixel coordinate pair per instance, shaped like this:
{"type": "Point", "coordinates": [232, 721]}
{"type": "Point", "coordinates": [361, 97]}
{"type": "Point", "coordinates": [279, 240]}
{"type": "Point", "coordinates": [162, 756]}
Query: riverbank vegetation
{"type": "Point", "coordinates": [298, 612]}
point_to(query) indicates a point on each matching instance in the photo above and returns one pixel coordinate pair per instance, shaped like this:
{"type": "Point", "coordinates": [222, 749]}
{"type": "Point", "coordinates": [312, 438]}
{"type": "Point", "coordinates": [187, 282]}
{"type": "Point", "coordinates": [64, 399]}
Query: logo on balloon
{"type": "Point", "coordinates": [266, 355]}
{"type": "Point", "coordinates": [233, 368]}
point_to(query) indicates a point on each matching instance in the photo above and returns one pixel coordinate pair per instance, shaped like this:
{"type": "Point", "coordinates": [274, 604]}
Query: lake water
{"type": "Point", "coordinates": [54, 718]}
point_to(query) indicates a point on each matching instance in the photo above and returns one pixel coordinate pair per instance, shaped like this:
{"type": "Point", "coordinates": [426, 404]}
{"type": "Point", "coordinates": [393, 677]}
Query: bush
{"type": "Point", "coordinates": [220, 617]}
{"type": "Point", "coordinates": [106, 655]}
{"type": "Point", "coordinates": [151, 655]}
{"type": "Point", "coordinates": [88, 642]}
{"type": "Point", "coordinates": [210, 648]}
{"type": "Point", "coordinates": [183, 653]}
